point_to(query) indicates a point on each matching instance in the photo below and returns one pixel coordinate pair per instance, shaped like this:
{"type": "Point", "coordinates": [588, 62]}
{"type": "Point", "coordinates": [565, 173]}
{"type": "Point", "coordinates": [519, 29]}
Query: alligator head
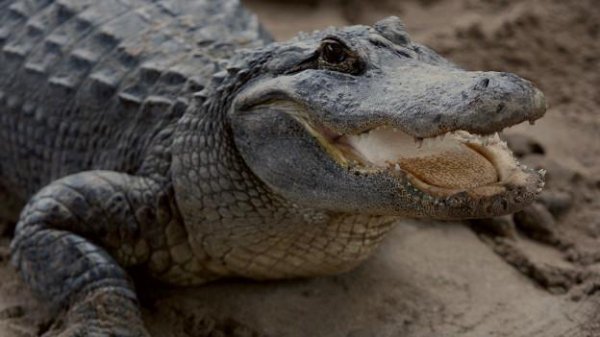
{"type": "Point", "coordinates": [362, 119]}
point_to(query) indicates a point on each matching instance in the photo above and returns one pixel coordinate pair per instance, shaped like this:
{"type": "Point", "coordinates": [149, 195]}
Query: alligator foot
{"type": "Point", "coordinates": [101, 314]}
{"type": "Point", "coordinates": [57, 253]}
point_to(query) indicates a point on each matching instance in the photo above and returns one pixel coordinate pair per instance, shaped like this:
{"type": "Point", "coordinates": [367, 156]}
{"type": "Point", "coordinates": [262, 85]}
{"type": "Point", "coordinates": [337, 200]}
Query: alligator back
{"type": "Point", "coordinates": [87, 84]}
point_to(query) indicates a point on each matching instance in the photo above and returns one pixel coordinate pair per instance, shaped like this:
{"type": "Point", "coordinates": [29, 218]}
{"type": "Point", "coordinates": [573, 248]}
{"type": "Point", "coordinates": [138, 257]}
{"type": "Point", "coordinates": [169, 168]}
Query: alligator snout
{"type": "Point", "coordinates": [498, 100]}
{"type": "Point", "coordinates": [426, 101]}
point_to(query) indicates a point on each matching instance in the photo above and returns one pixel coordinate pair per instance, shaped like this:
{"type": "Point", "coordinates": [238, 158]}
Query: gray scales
{"type": "Point", "coordinates": [176, 136]}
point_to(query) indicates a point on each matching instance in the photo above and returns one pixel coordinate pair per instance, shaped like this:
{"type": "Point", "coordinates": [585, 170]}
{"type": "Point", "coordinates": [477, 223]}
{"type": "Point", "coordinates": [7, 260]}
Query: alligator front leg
{"type": "Point", "coordinates": [57, 249]}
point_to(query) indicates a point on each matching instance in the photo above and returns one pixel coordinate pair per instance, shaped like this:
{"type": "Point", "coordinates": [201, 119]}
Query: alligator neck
{"type": "Point", "coordinates": [236, 223]}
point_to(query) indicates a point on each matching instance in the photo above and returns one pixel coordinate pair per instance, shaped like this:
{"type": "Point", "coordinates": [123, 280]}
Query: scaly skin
{"type": "Point", "coordinates": [176, 136]}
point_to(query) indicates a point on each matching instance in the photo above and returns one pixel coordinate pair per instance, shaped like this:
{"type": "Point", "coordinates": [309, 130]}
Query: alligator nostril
{"type": "Point", "coordinates": [483, 83]}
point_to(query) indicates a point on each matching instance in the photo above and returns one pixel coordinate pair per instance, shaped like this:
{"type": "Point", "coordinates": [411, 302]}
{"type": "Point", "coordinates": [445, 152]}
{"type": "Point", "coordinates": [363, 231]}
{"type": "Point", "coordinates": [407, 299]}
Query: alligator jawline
{"type": "Point", "coordinates": [446, 164]}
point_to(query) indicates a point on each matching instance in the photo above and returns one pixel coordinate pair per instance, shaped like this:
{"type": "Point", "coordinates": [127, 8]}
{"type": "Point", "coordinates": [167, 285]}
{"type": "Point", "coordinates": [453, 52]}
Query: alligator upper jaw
{"type": "Point", "coordinates": [441, 166]}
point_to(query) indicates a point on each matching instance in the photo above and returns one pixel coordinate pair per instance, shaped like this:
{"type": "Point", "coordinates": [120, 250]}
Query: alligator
{"type": "Point", "coordinates": [179, 138]}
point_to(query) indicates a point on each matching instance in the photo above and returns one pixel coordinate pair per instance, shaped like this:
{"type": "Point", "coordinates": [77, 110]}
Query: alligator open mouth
{"type": "Point", "coordinates": [446, 164]}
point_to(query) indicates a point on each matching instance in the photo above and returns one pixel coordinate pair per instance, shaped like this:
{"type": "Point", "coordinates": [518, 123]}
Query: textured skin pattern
{"type": "Point", "coordinates": [99, 85]}
{"type": "Point", "coordinates": [110, 76]}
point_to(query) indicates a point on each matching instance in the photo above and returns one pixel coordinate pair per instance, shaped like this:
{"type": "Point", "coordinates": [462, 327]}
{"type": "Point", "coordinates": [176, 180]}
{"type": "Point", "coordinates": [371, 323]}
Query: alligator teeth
{"type": "Point", "coordinates": [455, 159]}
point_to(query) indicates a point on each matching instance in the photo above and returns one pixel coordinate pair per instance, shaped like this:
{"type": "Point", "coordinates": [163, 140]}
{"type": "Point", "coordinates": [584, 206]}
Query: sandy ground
{"type": "Point", "coordinates": [512, 277]}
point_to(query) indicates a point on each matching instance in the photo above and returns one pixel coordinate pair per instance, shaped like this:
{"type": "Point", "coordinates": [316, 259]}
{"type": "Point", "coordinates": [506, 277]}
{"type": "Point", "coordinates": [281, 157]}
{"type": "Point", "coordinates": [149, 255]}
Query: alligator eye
{"type": "Point", "coordinates": [333, 52]}
{"type": "Point", "coordinates": [334, 55]}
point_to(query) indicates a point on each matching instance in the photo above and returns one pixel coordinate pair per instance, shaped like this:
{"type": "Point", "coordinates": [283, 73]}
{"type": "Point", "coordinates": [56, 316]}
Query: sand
{"type": "Point", "coordinates": [536, 278]}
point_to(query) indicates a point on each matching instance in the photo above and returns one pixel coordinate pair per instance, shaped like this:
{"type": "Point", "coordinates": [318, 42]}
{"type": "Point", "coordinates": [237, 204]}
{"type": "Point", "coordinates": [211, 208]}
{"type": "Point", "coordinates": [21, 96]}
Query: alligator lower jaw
{"type": "Point", "coordinates": [444, 165]}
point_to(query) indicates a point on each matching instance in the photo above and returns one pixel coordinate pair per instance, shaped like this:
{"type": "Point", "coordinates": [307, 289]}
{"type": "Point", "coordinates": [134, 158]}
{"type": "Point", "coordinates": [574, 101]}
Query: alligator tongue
{"type": "Point", "coordinates": [459, 167]}
{"type": "Point", "coordinates": [443, 161]}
